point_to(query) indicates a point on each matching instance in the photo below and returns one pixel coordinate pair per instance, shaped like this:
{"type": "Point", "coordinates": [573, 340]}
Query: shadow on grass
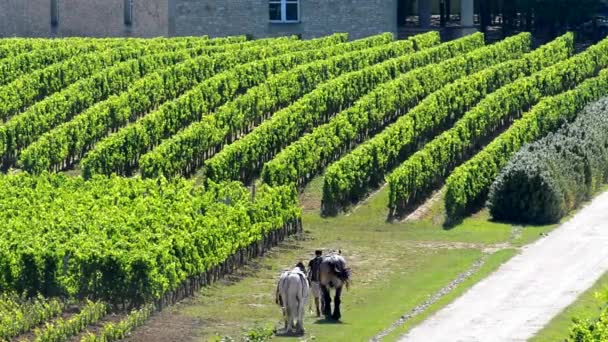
{"type": "Point", "coordinates": [329, 321]}
{"type": "Point", "coordinates": [284, 333]}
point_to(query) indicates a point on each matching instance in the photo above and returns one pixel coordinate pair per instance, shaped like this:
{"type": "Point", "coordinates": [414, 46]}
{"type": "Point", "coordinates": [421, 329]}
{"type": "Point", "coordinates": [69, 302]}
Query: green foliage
{"type": "Point", "coordinates": [232, 76]}
{"type": "Point", "coordinates": [468, 185]}
{"type": "Point", "coordinates": [186, 150]}
{"type": "Point", "coordinates": [26, 90]}
{"type": "Point", "coordinates": [352, 177]}
{"type": "Point", "coordinates": [244, 158]}
{"type": "Point", "coordinates": [123, 239]}
{"type": "Point", "coordinates": [114, 332]}
{"type": "Point", "coordinates": [259, 334]}
{"type": "Point", "coordinates": [19, 314]}
{"type": "Point", "coordinates": [62, 49]}
{"type": "Point", "coordinates": [303, 159]}
{"type": "Point", "coordinates": [61, 330]}
{"type": "Point", "coordinates": [588, 330]}
{"type": "Point", "coordinates": [23, 129]}
{"type": "Point", "coordinates": [427, 167]}
{"type": "Point", "coordinates": [549, 178]}
{"type": "Point", "coordinates": [70, 141]}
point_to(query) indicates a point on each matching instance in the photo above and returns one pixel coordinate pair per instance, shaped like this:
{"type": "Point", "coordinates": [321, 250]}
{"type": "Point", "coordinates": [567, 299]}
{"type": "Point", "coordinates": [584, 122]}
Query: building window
{"type": "Point", "coordinates": [128, 12]}
{"type": "Point", "coordinates": [54, 13]}
{"type": "Point", "coordinates": [284, 11]}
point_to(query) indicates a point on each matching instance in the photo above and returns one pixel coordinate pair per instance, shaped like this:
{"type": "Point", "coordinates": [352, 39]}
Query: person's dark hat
{"type": "Point", "coordinates": [318, 252]}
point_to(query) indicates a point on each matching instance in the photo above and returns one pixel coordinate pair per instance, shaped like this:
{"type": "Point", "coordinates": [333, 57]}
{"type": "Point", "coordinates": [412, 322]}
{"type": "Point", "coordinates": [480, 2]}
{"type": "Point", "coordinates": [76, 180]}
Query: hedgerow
{"type": "Point", "coordinates": [547, 179]}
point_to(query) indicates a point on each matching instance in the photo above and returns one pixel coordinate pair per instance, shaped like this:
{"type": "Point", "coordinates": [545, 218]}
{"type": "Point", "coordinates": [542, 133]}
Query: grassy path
{"type": "Point", "coordinates": [397, 267]}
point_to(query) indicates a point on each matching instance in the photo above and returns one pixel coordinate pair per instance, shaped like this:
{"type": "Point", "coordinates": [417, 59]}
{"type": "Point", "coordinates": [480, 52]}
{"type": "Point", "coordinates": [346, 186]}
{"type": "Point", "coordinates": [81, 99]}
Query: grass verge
{"type": "Point", "coordinates": [492, 263]}
{"type": "Point", "coordinates": [586, 306]}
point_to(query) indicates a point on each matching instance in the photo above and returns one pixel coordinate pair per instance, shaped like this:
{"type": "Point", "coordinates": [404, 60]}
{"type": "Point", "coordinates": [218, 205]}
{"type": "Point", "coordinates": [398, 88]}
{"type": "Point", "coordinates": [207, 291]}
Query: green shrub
{"type": "Point", "coordinates": [547, 179]}
{"type": "Point", "coordinates": [591, 329]}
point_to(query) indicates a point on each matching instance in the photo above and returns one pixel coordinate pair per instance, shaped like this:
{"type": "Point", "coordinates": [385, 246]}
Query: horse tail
{"type": "Point", "coordinates": [281, 285]}
{"type": "Point", "coordinates": [278, 295]}
{"type": "Point", "coordinates": [344, 274]}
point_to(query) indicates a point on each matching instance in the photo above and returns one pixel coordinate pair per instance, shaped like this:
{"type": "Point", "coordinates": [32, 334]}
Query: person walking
{"type": "Point", "coordinates": [313, 276]}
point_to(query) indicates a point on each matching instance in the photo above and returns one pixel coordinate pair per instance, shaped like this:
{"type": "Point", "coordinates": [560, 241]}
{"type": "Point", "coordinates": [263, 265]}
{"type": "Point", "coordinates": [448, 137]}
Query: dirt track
{"type": "Point", "coordinates": [524, 294]}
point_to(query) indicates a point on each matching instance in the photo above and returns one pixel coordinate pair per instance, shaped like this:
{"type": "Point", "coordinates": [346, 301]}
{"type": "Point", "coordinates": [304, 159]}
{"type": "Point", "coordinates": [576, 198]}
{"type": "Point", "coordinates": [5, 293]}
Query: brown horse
{"type": "Point", "coordinates": [333, 273]}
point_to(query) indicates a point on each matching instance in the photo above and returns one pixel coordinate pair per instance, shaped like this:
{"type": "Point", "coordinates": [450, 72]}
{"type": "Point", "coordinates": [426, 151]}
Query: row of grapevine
{"type": "Point", "coordinates": [25, 90]}
{"type": "Point", "coordinates": [14, 67]}
{"type": "Point", "coordinates": [69, 141]}
{"type": "Point", "coordinates": [186, 150]}
{"type": "Point", "coordinates": [243, 158]}
{"type": "Point", "coordinates": [310, 154]}
{"type": "Point", "coordinates": [131, 240]}
{"type": "Point", "coordinates": [61, 330]}
{"type": "Point", "coordinates": [114, 332]}
{"type": "Point", "coordinates": [19, 315]}
{"type": "Point", "coordinates": [23, 129]}
{"type": "Point", "coordinates": [11, 47]}
{"type": "Point", "coordinates": [424, 169]}
{"type": "Point", "coordinates": [468, 185]}
{"type": "Point", "coordinates": [354, 175]}
{"type": "Point", "coordinates": [120, 152]}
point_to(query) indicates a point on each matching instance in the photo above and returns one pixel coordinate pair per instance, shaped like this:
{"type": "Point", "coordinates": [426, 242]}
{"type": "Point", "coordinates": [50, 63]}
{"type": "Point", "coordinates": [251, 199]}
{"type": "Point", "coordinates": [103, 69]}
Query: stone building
{"type": "Point", "coordinates": [259, 18]}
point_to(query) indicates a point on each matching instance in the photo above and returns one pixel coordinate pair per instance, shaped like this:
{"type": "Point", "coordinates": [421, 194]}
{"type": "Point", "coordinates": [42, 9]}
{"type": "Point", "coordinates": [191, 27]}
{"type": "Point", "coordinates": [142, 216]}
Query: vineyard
{"type": "Point", "coordinates": [136, 171]}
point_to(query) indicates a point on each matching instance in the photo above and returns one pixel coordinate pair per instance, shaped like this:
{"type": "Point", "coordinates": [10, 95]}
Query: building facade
{"type": "Point", "coordinates": [258, 18]}
{"type": "Point", "coordinates": [96, 18]}
{"type": "Point", "coordinates": [262, 18]}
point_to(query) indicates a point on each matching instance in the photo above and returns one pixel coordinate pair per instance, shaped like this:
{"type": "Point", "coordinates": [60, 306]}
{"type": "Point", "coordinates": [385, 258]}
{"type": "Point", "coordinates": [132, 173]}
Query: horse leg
{"type": "Point", "coordinates": [285, 310]}
{"type": "Point", "coordinates": [285, 316]}
{"type": "Point", "coordinates": [337, 301]}
{"type": "Point", "coordinates": [326, 301]}
{"type": "Point", "coordinates": [293, 315]}
{"type": "Point", "coordinates": [301, 310]}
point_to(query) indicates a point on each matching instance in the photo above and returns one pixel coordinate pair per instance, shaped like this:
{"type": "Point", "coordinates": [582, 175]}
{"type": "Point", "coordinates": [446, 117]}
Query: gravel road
{"type": "Point", "coordinates": [522, 296]}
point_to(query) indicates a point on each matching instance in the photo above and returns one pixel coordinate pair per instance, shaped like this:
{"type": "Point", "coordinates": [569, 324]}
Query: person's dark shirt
{"type": "Point", "coordinates": [314, 267]}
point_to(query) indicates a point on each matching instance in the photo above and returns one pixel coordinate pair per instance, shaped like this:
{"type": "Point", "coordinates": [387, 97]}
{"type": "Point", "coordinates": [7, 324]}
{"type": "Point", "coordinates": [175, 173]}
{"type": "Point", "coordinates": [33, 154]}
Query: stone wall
{"type": "Point", "coordinates": [95, 18]}
{"type": "Point", "coordinates": [105, 18]}
{"type": "Point", "coordinates": [31, 18]}
{"type": "Point", "coordinates": [317, 18]}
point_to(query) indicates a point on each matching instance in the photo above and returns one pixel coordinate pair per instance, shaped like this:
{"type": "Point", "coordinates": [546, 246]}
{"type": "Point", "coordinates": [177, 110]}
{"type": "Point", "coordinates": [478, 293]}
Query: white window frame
{"type": "Point", "coordinates": [283, 4]}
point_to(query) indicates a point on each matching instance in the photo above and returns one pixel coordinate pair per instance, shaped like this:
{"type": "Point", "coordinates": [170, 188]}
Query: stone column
{"type": "Point", "coordinates": [424, 13]}
{"type": "Point", "coordinates": [467, 11]}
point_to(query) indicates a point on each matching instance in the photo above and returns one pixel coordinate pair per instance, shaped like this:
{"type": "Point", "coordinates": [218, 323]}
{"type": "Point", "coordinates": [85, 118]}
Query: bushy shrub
{"type": "Point", "coordinates": [547, 179]}
{"type": "Point", "coordinates": [594, 329]}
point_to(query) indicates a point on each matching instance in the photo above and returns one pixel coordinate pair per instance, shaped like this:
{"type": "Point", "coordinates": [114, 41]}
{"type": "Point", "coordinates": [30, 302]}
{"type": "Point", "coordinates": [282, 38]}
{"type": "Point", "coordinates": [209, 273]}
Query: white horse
{"type": "Point", "coordinates": [292, 295]}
